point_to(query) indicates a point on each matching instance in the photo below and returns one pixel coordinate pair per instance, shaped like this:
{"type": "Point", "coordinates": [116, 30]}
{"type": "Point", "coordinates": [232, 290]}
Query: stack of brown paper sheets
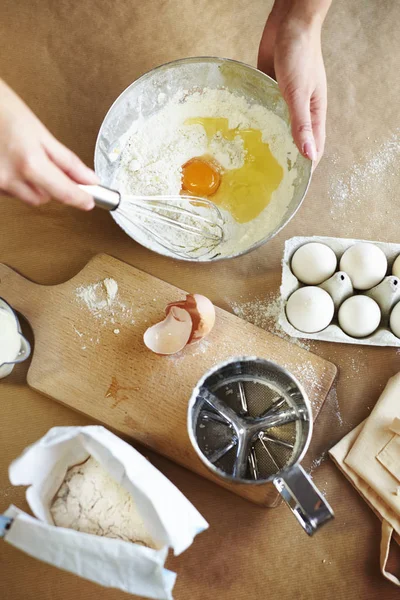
{"type": "Point", "coordinates": [370, 458]}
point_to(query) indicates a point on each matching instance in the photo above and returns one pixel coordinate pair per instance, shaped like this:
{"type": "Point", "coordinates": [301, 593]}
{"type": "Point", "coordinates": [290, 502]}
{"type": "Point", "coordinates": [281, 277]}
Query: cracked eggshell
{"type": "Point", "coordinates": [359, 316]}
{"type": "Point", "coordinates": [170, 335]}
{"type": "Point", "coordinates": [313, 263]}
{"type": "Point", "coordinates": [310, 309]}
{"type": "Point", "coordinates": [202, 312]}
{"type": "Point", "coordinates": [339, 287]}
{"type": "Point", "coordinates": [365, 263]}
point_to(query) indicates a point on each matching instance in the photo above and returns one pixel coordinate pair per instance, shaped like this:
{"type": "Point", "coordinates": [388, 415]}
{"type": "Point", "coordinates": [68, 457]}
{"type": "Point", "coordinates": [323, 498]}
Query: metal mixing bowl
{"type": "Point", "coordinates": [151, 92]}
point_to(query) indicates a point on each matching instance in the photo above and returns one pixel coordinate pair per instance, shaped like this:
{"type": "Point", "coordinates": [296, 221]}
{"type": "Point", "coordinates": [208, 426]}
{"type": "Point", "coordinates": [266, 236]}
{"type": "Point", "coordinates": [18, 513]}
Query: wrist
{"type": "Point", "coordinates": [308, 14]}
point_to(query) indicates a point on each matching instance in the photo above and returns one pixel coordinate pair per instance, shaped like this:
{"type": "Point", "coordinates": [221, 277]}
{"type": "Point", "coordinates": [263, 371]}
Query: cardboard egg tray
{"type": "Point", "coordinates": [333, 333]}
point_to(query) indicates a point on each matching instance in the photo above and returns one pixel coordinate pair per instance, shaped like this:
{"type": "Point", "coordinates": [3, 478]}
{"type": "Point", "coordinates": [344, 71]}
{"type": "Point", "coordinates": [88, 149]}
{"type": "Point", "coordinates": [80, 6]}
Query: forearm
{"type": "Point", "coordinates": [310, 12]}
{"type": "Point", "coordinates": [10, 102]}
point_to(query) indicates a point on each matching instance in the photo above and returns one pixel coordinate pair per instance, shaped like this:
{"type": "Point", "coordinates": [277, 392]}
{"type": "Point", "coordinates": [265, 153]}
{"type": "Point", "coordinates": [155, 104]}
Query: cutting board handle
{"type": "Point", "coordinates": [23, 295]}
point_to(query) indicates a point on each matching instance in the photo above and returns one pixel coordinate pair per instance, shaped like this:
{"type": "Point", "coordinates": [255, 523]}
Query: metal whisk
{"type": "Point", "coordinates": [199, 222]}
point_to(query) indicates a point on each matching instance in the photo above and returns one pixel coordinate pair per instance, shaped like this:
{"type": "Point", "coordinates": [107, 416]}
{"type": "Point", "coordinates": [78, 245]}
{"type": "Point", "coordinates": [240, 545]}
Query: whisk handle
{"type": "Point", "coordinates": [103, 196]}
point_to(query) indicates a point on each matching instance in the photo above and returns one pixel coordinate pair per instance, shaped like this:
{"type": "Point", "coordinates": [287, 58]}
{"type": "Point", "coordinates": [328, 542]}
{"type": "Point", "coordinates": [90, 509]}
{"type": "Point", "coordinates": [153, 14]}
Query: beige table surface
{"type": "Point", "coordinates": [69, 60]}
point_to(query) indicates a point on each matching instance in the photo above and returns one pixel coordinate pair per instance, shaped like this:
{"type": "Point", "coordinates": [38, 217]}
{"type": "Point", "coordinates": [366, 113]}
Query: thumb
{"type": "Point", "coordinates": [302, 127]}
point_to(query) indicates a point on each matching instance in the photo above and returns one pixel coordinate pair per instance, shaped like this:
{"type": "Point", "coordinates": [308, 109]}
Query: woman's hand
{"type": "Point", "coordinates": [34, 166]}
{"type": "Point", "coordinates": [290, 52]}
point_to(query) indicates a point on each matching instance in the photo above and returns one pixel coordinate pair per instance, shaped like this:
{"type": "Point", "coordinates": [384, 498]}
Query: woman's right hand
{"type": "Point", "coordinates": [34, 166]}
{"type": "Point", "coordinates": [290, 52]}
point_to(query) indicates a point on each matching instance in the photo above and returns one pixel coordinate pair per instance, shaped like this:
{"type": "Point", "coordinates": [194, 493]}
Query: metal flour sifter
{"type": "Point", "coordinates": [250, 422]}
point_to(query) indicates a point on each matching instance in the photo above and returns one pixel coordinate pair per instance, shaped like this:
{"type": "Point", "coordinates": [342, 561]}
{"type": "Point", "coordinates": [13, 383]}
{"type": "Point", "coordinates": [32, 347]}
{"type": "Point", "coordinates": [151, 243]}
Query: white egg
{"type": "Point", "coordinates": [313, 263]}
{"type": "Point", "coordinates": [396, 267]}
{"type": "Point", "coordinates": [365, 264]}
{"type": "Point", "coordinates": [395, 320]}
{"type": "Point", "coordinates": [359, 316]}
{"type": "Point", "coordinates": [310, 309]}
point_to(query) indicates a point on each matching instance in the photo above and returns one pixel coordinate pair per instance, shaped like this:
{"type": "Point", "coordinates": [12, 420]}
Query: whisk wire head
{"type": "Point", "coordinates": [199, 221]}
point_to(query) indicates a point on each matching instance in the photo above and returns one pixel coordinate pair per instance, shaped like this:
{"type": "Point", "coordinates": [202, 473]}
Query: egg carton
{"type": "Point", "coordinates": [333, 333]}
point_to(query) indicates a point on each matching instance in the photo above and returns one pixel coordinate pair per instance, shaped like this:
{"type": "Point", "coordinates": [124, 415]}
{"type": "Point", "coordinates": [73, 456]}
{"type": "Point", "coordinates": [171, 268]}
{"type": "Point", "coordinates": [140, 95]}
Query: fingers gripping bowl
{"type": "Point", "coordinates": [221, 129]}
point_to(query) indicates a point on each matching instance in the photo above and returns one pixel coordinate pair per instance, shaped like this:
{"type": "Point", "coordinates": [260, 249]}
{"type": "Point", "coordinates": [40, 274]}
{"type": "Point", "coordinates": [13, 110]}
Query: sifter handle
{"type": "Point", "coordinates": [103, 196]}
{"type": "Point", "coordinates": [303, 498]}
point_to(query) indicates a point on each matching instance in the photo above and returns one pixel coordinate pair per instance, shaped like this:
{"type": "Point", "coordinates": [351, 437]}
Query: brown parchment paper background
{"type": "Point", "coordinates": [69, 61]}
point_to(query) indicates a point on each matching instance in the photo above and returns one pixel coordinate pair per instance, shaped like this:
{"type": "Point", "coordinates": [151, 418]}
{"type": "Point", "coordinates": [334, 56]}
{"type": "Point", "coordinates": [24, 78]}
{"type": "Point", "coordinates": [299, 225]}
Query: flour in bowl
{"type": "Point", "coordinates": [158, 147]}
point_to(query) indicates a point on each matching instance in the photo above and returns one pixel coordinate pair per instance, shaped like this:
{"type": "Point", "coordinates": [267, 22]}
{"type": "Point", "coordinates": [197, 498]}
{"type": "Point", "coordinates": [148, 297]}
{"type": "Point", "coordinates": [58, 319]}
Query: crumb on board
{"type": "Point", "coordinates": [102, 300]}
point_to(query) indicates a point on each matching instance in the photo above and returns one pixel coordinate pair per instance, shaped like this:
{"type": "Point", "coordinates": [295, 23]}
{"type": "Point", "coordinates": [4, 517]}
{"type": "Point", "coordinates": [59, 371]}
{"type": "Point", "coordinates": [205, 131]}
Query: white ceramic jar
{"type": "Point", "coordinates": [14, 348]}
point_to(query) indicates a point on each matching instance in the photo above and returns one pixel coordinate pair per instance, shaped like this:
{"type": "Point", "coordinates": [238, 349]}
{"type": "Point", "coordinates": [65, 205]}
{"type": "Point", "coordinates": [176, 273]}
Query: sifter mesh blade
{"type": "Point", "coordinates": [259, 410]}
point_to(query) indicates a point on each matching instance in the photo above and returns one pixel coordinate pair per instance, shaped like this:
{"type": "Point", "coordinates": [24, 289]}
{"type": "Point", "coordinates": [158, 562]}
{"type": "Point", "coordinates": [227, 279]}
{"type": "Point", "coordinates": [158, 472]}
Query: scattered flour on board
{"type": "Point", "coordinates": [98, 296]}
{"type": "Point", "coordinates": [102, 301]}
{"type": "Point", "coordinates": [195, 349]}
{"type": "Point", "coordinates": [357, 181]}
{"type": "Point", "coordinates": [265, 314]}
{"type": "Point", "coordinates": [332, 405]}
{"type": "Point", "coordinates": [305, 372]}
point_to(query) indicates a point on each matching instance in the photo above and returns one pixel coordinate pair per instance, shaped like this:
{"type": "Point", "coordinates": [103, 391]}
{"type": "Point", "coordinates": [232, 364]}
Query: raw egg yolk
{"type": "Point", "coordinates": [200, 177]}
{"type": "Point", "coordinates": [246, 191]}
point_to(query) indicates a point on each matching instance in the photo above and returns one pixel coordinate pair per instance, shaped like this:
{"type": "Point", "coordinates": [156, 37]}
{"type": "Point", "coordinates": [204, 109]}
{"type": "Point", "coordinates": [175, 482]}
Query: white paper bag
{"type": "Point", "coordinates": [168, 516]}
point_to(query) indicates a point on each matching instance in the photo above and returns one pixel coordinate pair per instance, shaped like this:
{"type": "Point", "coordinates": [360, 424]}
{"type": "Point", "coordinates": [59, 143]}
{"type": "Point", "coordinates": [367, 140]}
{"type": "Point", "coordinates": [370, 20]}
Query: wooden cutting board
{"type": "Point", "coordinates": [94, 360]}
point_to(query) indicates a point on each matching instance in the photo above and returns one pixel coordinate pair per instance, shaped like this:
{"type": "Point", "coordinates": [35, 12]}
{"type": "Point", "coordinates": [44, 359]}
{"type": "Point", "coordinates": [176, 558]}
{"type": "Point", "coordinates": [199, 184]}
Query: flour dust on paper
{"type": "Point", "coordinates": [369, 177]}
